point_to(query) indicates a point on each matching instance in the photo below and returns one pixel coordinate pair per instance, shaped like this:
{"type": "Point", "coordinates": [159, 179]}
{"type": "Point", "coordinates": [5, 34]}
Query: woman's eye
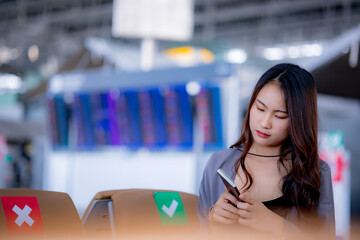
{"type": "Point", "coordinates": [281, 117]}
{"type": "Point", "coordinates": [261, 110]}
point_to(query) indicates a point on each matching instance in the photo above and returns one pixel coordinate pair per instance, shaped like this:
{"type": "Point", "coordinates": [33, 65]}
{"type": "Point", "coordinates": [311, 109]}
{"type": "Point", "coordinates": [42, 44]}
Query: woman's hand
{"type": "Point", "coordinates": [254, 214]}
{"type": "Point", "coordinates": [223, 211]}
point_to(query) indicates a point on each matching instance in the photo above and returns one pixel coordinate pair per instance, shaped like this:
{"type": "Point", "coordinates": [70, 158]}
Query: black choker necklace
{"type": "Point", "coordinates": [259, 155]}
{"type": "Point", "coordinates": [269, 156]}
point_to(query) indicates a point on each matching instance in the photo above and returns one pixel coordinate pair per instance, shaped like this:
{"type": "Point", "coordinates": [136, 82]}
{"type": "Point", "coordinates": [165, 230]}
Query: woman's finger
{"type": "Point", "coordinates": [244, 206]}
{"type": "Point", "coordinates": [244, 214]}
{"type": "Point", "coordinates": [228, 214]}
{"type": "Point", "coordinates": [230, 208]}
{"type": "Point", "coordinates": [230, 197]}
{"type": "Point", "coordinates": [223, 210]}
{"type": "Point", "coordinates": [221, 219]}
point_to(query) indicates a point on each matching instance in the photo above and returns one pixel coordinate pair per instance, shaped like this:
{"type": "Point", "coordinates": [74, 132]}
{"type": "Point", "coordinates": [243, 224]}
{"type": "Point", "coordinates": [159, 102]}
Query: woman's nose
{"type": "Point", "coordinates": [266, 121]}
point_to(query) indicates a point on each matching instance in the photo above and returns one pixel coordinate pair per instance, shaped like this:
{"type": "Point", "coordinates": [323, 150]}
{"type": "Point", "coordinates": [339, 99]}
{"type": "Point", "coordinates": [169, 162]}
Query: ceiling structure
{"type": "Point", "coordinates": [58, 27]}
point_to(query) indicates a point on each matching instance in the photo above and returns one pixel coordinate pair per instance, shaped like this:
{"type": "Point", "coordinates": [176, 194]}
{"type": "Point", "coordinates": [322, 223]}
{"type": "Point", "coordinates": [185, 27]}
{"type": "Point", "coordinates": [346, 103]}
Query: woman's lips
{"type": "Point", "coordinates": [261, 134]}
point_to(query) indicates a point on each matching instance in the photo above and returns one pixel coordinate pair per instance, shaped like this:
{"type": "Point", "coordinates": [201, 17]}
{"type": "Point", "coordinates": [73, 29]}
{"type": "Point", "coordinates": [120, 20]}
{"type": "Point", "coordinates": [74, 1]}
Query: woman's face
{"type": "Point", "coordinates": [269, 121]}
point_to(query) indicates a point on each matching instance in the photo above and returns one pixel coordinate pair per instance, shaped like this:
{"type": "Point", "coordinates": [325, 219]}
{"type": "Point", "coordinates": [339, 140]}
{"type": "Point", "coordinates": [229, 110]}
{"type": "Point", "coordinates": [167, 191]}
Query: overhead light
{"type": "Point", "coordinates": [33, 53]}
{"type": "Point", "coordinates": [316, 49]}
{"type": "Point", "coordinates": [236, 56]}
{"type": "Point", "coordinates": [274, 54]}
{"type": "Point", "coordinates": [56, 84]}
{"type": "Point", "coordinates": [189, 56]}
{"type": "Point", "coordinates": [193, 88]}
{"type": "Point", "coordinates": [306, 50]}
{"type": "Point", "coordinates": [293, 52]}
{"type": "Point", "coordinates": [8, 54]}
{"type": "Point", "coordinates": [9, 82]}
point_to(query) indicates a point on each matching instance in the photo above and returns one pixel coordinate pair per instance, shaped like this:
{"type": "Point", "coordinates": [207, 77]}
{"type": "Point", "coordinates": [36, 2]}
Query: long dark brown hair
{"type": "Point", "coordinates": [301, 184]}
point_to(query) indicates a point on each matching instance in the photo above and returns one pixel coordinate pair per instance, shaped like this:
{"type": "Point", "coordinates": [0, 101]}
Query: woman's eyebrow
{"type": "Point", "coordinates": [282, 111]}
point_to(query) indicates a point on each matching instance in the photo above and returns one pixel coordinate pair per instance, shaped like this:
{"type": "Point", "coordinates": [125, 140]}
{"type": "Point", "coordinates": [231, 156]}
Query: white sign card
{"type": "Point", "coordinates": [159, 19]}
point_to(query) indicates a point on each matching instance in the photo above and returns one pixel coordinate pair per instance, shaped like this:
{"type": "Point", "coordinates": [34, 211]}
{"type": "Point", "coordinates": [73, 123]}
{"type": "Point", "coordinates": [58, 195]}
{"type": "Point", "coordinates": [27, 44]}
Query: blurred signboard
{"type": "Point", "coordinates": [160, 19]}
{"type": "Point", "coordinates": [153, 109]}
{"type": "Point", "coordinates": [148, 117]}
{"type": "Point", "coordinates": [332, 150]}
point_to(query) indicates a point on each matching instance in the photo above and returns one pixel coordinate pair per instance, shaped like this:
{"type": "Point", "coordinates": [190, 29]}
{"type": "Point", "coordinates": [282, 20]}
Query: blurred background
{"type": "Point", "coordinates": [101, 94]}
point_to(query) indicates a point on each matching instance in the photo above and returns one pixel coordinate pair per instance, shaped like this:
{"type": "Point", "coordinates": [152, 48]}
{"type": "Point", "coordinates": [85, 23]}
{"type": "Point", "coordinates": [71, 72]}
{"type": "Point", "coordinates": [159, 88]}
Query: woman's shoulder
{"type": "Point", "coordinates": [226, 157]}
{"type": "Point", "coordinates": [323, 166]}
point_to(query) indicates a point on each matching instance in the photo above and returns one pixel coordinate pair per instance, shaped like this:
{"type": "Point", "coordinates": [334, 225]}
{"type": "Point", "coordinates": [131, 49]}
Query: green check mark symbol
{"type": "Point", "coordinates": [170, 210]}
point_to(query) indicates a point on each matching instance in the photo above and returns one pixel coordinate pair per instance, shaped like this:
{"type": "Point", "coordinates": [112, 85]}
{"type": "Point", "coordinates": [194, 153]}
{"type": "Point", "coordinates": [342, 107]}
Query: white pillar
{"type": "Point", "coordinates": [148, 49]}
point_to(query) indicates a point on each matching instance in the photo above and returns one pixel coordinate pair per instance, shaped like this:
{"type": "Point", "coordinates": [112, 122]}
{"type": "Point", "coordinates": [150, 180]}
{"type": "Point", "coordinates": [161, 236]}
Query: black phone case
{"type": "Point", "coordinates": [233, 190]}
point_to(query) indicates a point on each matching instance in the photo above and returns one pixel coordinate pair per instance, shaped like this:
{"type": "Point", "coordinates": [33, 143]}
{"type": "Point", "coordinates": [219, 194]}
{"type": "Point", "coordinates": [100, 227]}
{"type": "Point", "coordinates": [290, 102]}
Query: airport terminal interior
{"type": "Point", "coordinates": [105, 102]}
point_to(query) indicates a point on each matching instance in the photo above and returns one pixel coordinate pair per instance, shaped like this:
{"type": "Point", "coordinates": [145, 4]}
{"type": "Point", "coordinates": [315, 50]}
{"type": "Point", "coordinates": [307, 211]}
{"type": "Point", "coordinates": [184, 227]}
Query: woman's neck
{"type": "Point", "coordinates": [263, 151]}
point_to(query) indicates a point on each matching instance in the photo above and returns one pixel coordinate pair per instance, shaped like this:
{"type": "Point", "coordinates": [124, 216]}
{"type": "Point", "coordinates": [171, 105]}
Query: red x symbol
{"type": "Point", "coordinates": [23, 216]}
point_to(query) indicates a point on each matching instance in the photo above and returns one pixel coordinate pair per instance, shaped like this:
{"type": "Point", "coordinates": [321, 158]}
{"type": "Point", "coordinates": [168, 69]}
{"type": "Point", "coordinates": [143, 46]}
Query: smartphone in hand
{"type": "Point", "coordinates": [229, 184]}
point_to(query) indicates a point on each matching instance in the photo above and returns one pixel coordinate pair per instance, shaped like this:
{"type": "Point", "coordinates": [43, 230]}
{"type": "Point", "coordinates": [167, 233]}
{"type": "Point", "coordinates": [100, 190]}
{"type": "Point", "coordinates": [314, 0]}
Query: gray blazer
{"type": "Point", "coordinates": [211, 187]}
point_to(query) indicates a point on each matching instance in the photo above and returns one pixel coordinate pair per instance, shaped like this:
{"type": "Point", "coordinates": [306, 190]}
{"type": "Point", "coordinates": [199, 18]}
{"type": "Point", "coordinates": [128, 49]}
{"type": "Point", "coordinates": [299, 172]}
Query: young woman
{"type": "Point", "coordinates": [284, 187]}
